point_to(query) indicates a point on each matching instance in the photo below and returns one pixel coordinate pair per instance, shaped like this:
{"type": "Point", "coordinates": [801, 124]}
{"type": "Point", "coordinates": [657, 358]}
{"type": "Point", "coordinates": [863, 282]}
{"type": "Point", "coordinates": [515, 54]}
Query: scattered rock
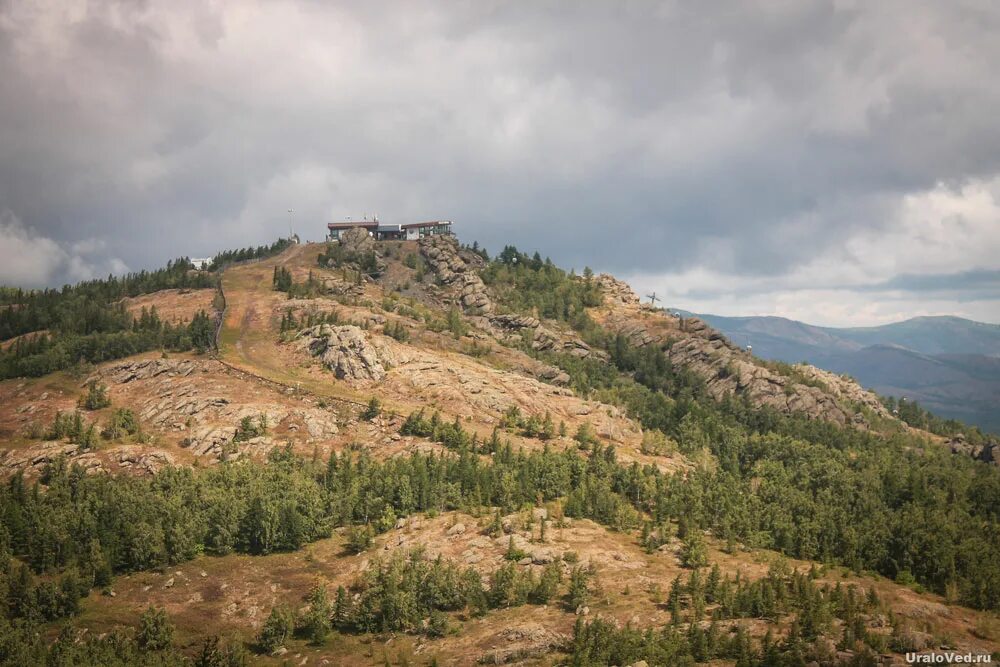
{"type": "Point", "coordinates": [542, 557]}
{"type": "Point", "coordinates": [523, 642]}
{"type": "Point", "coordinates": [987, 452]}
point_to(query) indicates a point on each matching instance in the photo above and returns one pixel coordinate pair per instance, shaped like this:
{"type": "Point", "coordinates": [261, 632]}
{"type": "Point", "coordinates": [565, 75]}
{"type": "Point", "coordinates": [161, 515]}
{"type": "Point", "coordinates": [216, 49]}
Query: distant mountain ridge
{"type": "Point", "coordinates": [950, 365]}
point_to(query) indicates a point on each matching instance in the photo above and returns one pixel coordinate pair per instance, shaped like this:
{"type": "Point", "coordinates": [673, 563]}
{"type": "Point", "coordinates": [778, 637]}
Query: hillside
{"type": "Point", "coordinates": [410, 453]}
{"type": "Point", "coordinates": [946, 364]}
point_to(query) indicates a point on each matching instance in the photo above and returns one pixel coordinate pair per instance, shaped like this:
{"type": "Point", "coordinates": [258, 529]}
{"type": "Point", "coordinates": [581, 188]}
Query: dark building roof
{"type": "Point", "coordinates": [367, 224]}
{"type": "Point", "coordinates": [430, 223]}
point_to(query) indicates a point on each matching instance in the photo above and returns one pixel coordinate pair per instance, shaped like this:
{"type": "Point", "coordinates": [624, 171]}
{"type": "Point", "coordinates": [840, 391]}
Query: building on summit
{"type": "Point", "coordinates": [409, 232]}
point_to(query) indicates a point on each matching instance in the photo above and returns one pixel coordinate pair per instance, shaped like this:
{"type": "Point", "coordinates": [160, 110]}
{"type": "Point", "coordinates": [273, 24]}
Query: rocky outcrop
{"type": "Point", "coordinates": [728, 370]}
{"type": "Point", "coordinates": [37, 456]}
{"type": "Point", "coordinates": [511, 327]}
{"type": "Point", "coordinates": [209, 440]}
{"type": "Point", "coordinates": [844, 388]}
{"type": "Point", "coordinates": [347, 351]}
{"type": "Point", "coordinates": [200, 400]}
{"type": "Point", "coordinates": [137, 460]}
{"type": "Point", "coordinates": [987, 452]}
{"type": "Point", "coordinates": [357, 240]}
{"type": "Point", "coordinates": [458, 269]}
{"type": "Point", "coordinates": [357, 243]}
{"type": "Point", "coordinates": [617, 292]}
{"type": "Point", "coordinates": [146, 369]}
{"type": "Point", "coordinates": [128, 458]}
{"type": "Point", "coordinates": [524, 642]}
{"type": "Point", "coordinates": [553, 375]}
{"type": "Point", "coordinates": [459, 385]}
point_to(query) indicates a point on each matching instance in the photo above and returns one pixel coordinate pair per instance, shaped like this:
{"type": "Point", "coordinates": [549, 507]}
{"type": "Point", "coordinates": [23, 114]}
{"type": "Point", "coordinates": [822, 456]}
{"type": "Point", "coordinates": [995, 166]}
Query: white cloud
{"type": "Point", "coordinates": [25, 258]}
{"type": "Point", "coordinates": [947, 230]}
{"type": "Point", "coordinates": [30, 260]}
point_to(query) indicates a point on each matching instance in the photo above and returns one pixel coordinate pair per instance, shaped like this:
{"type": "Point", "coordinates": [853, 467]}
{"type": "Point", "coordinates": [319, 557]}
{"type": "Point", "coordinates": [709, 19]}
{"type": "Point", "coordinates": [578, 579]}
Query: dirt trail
{"type": "Point", "coordinates": [250, 327]}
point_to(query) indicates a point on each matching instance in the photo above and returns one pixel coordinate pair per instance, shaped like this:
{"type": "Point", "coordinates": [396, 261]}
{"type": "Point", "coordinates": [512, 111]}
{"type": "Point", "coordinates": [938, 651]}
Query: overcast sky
{"type": "Point", "coordinates": [835, 162]}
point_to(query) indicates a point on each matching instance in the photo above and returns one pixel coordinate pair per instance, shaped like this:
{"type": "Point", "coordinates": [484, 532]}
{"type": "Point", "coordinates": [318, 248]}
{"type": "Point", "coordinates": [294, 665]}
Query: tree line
{"type": "Point", "coordinates": [119, 335]}
{"type": "Point", "coordinates": [88, 322]}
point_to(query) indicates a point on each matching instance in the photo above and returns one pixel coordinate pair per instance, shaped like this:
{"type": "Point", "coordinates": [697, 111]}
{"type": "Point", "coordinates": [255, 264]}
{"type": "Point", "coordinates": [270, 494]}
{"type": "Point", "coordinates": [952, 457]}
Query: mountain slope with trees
{"type": "Point", "coordinates": [415, 453]}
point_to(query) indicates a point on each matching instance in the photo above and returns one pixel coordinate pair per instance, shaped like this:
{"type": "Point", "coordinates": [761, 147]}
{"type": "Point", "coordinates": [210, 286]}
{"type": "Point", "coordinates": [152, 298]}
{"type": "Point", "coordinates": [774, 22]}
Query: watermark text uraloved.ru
{"type": "Point", "coordinates": [949, 658]}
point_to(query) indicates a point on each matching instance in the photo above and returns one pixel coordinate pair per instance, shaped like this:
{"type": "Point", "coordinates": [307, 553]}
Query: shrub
{"type": "Point", "coordinates": [96, 398]}
{"type": "Point", "coordinates": [360, 538]}
{"type": "Point", "coordinates": [155, 632]}
{"type": "Point", "coordinates": [373, 410]}
{"type": "Point", "coordinates": [250, 428]}
{"type": "Point", "coordinates": [277, 629]}
{"type": "Point", "coordinates": [122, 422]}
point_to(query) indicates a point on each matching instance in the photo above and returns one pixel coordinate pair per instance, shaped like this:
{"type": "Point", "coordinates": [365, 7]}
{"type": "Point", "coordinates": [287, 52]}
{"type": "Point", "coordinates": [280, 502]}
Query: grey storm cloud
{"type": "Point", "coordinates": [961, 285]}
{"type": "Point", "coordinates": [746, 140]}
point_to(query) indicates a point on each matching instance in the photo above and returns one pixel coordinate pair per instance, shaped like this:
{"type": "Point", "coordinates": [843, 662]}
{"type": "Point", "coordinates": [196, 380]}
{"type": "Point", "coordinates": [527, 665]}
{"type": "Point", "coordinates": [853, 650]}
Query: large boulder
{"type": "Point", "coordinates": [358, 245]}
{"type": "Point", "coordinates": [357, 240]}
{"type": "Point", "coordinates": [347, 351]}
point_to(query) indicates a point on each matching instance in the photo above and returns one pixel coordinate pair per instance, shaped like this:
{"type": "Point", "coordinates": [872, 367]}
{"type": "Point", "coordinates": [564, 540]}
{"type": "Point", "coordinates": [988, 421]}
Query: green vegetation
{"type": "Point", "coordinates": [70, 427]}
{"type": "Point", "coordinates": [530, 285]}
{"type": "Point", "coordinates": [88, 322]}
{"type": "Point", "coordinates": [397, 594]}
{"type": "Point", "coordinates": [337, 256]}
{"type": "Point", "coordinates": [92, 306]}
{"type": "Point", "coordinates": [227, 257]}
{"type": "Point", "coordinates": [781, 593]}
{"type": "Point", "coordinates": [310, 319]}
{"type": "Point", "coordinates": [532, 426]}
{"type": "Point", "coordinates": [916, 416]}
{"type": "Point", "coordinates": [24, 644]}
{"type": "Point", "coordinates": [887, 503]}
{"type": "Point", "coordinates": [373, 410]}
{"type": "Point", "coordinates": [283, 282]}
{"type": "Point", "coordinates": [96, 398]}
{"type": "Point", "coordinates": [123, 422]}
{"type": "Point", "coordinates": [808, 488]}
{"type": "Point", "coordinates": [250, 428]}
{"type": "Point", "coordinates": [121, 335]}
{"type": "Point", "coordinates": [397, 331]}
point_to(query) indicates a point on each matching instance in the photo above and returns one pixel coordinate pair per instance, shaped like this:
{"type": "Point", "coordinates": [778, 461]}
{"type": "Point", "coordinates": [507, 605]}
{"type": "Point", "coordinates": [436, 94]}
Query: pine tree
{"type": "Point", "coordinates": [277, 629]}
{"type": "Point", "coordinates": [155, 633]}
